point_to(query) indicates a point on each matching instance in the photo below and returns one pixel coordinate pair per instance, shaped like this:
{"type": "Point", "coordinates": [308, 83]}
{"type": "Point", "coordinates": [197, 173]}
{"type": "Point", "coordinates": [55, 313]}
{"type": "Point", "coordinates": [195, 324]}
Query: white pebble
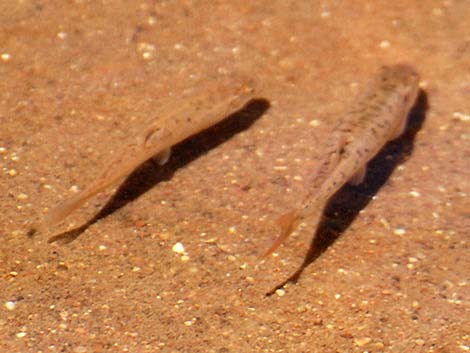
{"type": "Point", "coordinates": [362, 341]}
{"type": "Point", "coordinates": [314, 122]}
{"type": "Point", "coordinates": [384, 44]}
{"type": "Point", "coordinates": [399, 231]}
{"type": "Point", "coordinates": [21, 334]}
{"type": "Point", "coordinates": [461, 116]}
{"type": "Point", "coordinates": [178, 248]}
{"type": "Point", "coordinates": [5, 56]}
{"type": "Point", "coordinates": [415, 193]}
{"type": "Point", "coordinates": [280, 292]}
{"type": "Point", "coordinates": [10, 305]}
{"type": "Point", "coordinates": [151, 20]}
{"type": "Point", "coordinates": [22, 196]}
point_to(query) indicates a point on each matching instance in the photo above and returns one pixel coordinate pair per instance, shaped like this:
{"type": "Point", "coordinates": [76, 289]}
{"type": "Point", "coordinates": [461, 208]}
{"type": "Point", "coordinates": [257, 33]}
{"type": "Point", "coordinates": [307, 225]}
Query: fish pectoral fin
{"type": "Point", "coordinates": [163, 156]}
{"type": "Point", "coordinates": [287, 222]}
{"type": "Point", "coordinates": [151, 136]}
{"type": "Point", "coordinates": [359, 177]}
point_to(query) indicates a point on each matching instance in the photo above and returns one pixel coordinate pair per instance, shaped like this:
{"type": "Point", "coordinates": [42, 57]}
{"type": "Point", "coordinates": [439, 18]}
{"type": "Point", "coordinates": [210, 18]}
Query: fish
{"type": "Point", "coordinates": [378, 115]}
{"type": "Point", "coordinates": [173, 125]}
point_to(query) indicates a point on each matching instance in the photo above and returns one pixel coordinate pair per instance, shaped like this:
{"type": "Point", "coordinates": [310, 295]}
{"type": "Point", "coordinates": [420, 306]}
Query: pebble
{"type": "Point", "coordinates": [461, 116]}
{"type": "Point", "coordinates": [22, 196]}
{"type": "Point", "coordinates": [280, 292]}
{"type": "Point", "coordinates": [152, 20]}
{"type": "Point", "coordinates": [178, 248]}
{"type": "Point", "coordinates": [399, 231]}
{"type": "Point", "coordinates": [147, 50]}
{"type": "Point", "coordinates": [21, 334]}
{"type": "Point", "coordinates": [420, 342]}
{"type": "Point", "coordinates": [10, 305]}
{"type": "Point", "coordinates": [362, 341]}
{"type": "Point", "coordinates": [164, 236]}
{"type": "Point", "coordinates": [384, 44]}
{"type": "Point", "coordinates": [5, 56]}
{"type": "Point", "coordinates": [314, 122]}
{"type": "Point", "coordinates": [465, 137]}
{"type": "Point", "coordinates": [188, 323]}
{"type": "Point", "coordinates": [415, 193]}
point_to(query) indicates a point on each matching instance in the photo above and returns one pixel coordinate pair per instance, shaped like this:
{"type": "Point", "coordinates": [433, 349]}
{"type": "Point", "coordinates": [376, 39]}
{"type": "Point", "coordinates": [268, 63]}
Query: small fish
{"type": "Point", "coordinates": [188, 118]}
{"type": "Point", "coordinates": [380, 115]}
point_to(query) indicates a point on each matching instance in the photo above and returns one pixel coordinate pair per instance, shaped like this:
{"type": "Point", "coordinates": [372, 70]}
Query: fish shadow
{"type": "Point", "coordinates": [150, 173]}
{"type": "Point", "coordinates": [345, 205]}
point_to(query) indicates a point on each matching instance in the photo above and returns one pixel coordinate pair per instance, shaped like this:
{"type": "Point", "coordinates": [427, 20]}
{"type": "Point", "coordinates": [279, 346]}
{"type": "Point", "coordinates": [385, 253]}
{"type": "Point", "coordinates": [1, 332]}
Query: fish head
{"type": "Point", "coordinates": [403, 80]}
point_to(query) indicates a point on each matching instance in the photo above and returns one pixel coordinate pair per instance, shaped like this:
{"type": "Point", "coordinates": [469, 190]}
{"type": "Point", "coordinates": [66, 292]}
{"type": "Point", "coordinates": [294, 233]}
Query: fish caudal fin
{"type": "Point", "coordinates": [57, 214]}
{"type": "Point", "coordinates": [288, 222]}
{"type": "Point", "coordinates": [61, 211]}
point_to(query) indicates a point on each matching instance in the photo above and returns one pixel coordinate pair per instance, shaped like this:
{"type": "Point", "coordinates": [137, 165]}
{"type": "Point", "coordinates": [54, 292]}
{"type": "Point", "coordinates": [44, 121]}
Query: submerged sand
{"type": "Point", "coordinates": [171, 263]}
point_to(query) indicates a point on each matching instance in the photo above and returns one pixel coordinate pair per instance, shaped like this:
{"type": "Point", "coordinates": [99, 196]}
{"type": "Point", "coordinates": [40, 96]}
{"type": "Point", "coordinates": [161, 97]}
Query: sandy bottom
{"type": "Point", "coordinates": [387, 271]}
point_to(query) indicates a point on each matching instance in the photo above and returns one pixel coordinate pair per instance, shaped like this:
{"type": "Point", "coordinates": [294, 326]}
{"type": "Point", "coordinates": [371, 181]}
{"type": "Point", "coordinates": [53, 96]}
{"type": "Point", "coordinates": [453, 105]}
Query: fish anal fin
{"type": "Point", "coordinates": [287, 223]}
{"type": "Point", "coordinates": [359, 177]}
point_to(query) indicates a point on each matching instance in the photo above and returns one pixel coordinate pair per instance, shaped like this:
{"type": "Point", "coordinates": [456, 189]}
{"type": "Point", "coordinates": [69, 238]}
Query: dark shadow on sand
{"type": "Point", "coordinates": [346, 204]}
{"type": "Point", "coordinates": [150, 174]}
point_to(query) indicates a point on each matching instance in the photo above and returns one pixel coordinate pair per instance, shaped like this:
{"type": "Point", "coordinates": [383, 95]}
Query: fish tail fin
{"type": "Point", "coordinates": [61, 211]}
{"type": "Point", "coordinates": [287, 222]}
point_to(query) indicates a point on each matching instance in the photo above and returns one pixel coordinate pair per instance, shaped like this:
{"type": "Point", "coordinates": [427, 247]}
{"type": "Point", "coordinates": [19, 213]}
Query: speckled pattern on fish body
{"type": "Point", "coordinates": [379, 116]}
{"type": "Point", "coordinates": [182, 119]}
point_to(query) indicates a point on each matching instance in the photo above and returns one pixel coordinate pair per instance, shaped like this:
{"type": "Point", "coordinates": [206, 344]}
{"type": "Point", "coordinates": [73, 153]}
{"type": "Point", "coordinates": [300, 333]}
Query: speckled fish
{"type": "Point", "coordinates": [379, 116]}
{"type": "Point", "coordinates": [189, 117]}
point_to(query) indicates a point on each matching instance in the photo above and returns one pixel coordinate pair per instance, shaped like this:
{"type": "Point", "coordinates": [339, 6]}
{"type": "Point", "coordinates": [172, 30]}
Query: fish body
{"type": "Point", "coordinates": [190, 117]}
{"type": "Point", "coordinates": [379, 116]}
